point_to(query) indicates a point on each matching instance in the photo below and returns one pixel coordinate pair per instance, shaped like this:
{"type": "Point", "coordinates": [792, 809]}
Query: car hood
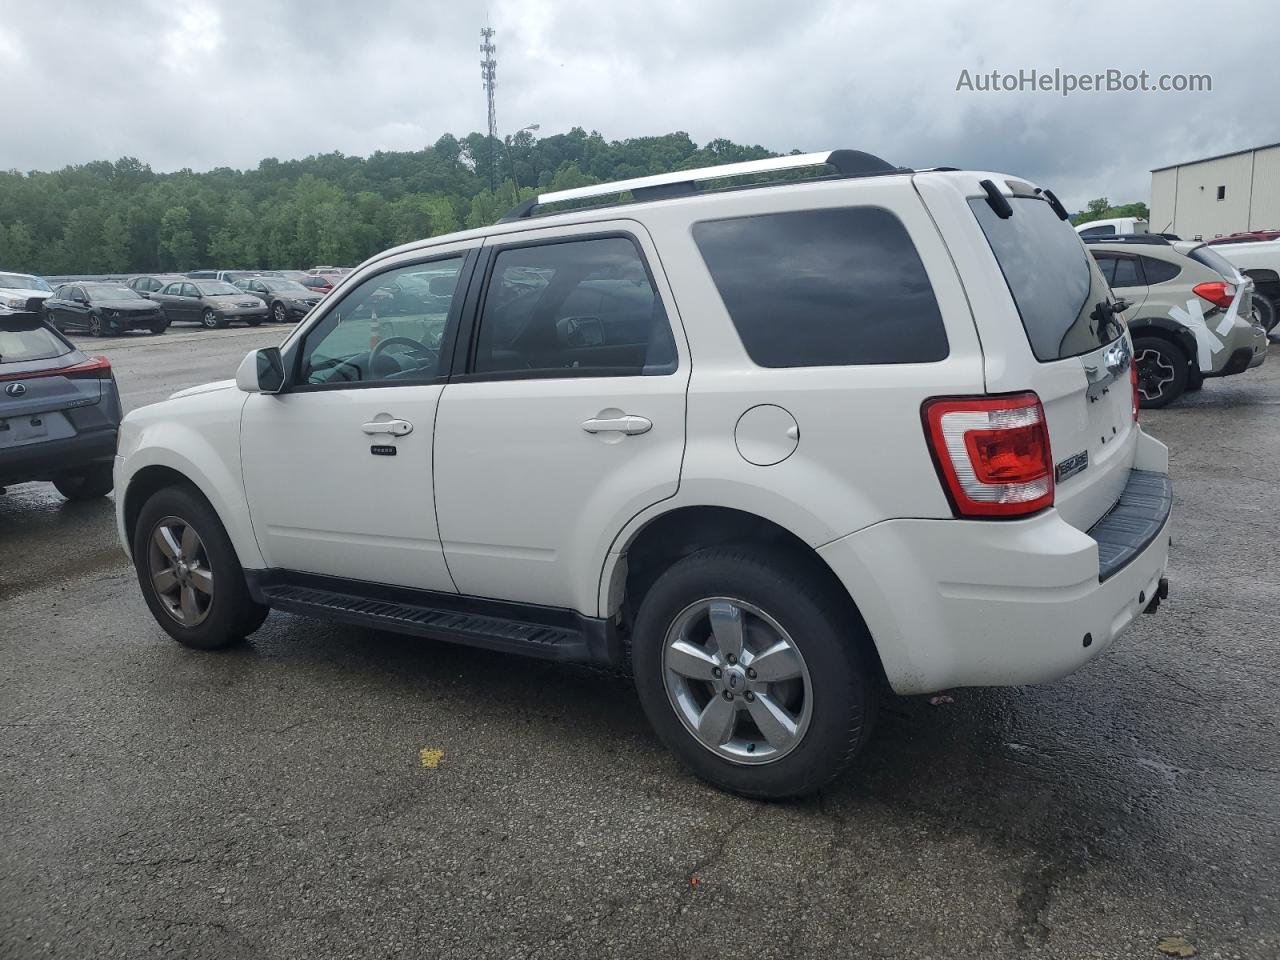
{"type": "Point", "coordinates": [137, 303]}
{"type": "Point", "coordinates": [204, 388]}
{"type": "Point", "coordinates": [27, 292]}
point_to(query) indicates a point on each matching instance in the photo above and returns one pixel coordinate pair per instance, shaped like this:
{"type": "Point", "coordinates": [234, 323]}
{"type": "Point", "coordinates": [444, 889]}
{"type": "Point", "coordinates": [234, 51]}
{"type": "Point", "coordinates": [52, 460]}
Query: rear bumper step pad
{"type": "Point", "coordinates": [1134, 522]}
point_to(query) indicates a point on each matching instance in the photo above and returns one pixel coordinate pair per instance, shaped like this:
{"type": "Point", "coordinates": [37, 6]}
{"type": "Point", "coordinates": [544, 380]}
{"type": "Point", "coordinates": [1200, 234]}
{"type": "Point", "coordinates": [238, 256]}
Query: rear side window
{"type": "Point", "coordinates": [1059, 291]}
{"type": "Point", "coordinates": [1107, 231]}
{"type": "Point", "coordinates": [23, 339]}
{"type": "Point", "coordinates": [1159, 271]}
{"type": "Point", "coordinates": [1128, 273]}
{"type": "Point", "coordinates": [816, 288]}
{"type": "Point", "coordinates": [1214, 261]}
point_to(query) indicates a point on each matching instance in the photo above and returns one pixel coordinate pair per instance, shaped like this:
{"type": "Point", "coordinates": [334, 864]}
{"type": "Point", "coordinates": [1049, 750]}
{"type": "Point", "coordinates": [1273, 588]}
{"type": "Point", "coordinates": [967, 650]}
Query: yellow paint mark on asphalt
{"type": "Point", "coordinates": [431, 757]}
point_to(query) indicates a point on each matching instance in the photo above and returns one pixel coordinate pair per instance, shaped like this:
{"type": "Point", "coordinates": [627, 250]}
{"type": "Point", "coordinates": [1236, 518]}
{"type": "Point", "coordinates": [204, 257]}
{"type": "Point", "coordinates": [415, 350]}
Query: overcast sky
{"type": "Point", "coordinates": [206, 83]}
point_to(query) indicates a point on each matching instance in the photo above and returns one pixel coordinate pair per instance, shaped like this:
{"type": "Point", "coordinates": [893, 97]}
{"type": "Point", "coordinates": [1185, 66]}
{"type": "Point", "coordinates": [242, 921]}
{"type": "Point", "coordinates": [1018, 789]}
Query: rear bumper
{"type": "Point", "coordinates": [954, 603]}
{"type": "Point", "coordinates": [53, 458]}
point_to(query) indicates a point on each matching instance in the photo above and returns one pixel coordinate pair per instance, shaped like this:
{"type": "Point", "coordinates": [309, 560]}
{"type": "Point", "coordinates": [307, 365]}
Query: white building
{"type": "Point", "coordinates": [1228, 193]}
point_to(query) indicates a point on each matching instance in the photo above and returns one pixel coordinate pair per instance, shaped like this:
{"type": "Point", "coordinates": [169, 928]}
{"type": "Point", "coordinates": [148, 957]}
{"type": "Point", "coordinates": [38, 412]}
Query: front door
{"type": "Point", "coordinates": [568, 417]}
{"type": "Point", "coordinates": [338, 468]}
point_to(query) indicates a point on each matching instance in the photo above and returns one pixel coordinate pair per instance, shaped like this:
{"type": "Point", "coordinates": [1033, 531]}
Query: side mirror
{"type": "Point", "coordinates": [262, 371]}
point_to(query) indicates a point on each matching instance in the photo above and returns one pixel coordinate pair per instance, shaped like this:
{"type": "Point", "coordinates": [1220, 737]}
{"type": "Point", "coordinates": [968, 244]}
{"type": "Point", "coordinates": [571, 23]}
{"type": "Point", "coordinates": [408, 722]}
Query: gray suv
{"type": "Point", "coordinates": [1190, 312]}
{"type": "Point", "coordinates": [59, 411]}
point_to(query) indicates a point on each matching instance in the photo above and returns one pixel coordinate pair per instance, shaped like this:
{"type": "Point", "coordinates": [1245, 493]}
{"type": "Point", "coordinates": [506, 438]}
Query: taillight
{"type": "Point", "coordinates": [95, 368]}
{"type": "Point", "coordinates": [1217, 292]}
{"type": "Point", "coordinates": [1133, 382]}
{"type": "Point", "coordinates": [992, 453]}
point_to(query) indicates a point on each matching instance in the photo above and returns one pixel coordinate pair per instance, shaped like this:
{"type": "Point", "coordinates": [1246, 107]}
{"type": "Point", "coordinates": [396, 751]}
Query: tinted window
{"type": "Point", "coordinates": [25, 338]}
{"type": "Point", "coordinates": [1107, 264]}
{"type": "Point", "coordinates": [1214, 261]}
{"type": "Point", "coordinates": [172, 290]}
{"type": "Point", "coordinates": [189, 290]}
{"type": "Point", "coordinates": [576, 308]}
{"type": "Point", "coordinates": [1107, 231]}
{"type": "Point", "coordinates": [824, 288]}
{"type": "Point", "coordinates": [1128, 273]}
{"type": "Point", "coordinates": [1159, 271]}
{"type": "Point", "coordinates": [388, 329]}
{"type": "Point", "coordinates": [1058, 290]}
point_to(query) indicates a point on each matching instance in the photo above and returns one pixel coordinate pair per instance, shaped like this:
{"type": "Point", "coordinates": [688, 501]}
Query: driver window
{"type": "Point", "coordinates": [388, 329]}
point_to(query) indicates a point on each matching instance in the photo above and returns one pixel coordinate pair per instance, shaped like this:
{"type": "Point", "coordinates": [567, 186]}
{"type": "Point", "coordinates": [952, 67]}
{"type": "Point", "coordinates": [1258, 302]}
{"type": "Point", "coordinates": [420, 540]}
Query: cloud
{"type": "Point", "coordinates": [208, 83]}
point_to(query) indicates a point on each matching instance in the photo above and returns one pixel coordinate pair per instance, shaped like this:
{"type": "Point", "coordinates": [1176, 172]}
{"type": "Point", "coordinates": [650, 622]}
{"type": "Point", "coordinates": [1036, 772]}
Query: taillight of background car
{"type": "Point", "coordinates": [992, 453]}
{"type": "Point", "coordinates": [95, 368]}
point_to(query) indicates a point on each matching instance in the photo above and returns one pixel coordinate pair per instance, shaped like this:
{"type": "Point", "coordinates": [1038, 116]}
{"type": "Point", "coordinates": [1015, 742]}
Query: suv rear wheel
{"type": "Point", "coordinates": [751, 675]}
{"type": "Point", "coordinates": [189, 572]}
{"type": "Point", "coordinates": [93, 481]}
{"type": "Point", "coordinates": [1163, 369]}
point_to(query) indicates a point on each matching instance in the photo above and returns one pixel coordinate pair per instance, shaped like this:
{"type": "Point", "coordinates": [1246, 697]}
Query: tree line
{"type": "Point", "coordinates": [124, 217]}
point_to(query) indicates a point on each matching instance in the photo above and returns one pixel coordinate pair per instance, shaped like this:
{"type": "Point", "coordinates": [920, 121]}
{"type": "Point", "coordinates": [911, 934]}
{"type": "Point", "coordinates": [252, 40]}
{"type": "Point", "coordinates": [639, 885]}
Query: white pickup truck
{"type": "Point", "coordinates": [1260, 262]}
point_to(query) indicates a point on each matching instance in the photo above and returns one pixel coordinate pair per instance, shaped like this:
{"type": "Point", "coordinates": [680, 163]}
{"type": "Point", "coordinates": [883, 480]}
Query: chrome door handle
{"type": "Point", "coordinates": [625, 424]}
{"type": "Point", "coordinates": [397, 428]}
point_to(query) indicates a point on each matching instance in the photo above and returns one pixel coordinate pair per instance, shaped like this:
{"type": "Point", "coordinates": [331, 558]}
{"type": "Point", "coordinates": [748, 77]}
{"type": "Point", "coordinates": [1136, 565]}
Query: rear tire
{"type": "Point", "coordinates": [1268, 311]}
{"type": "Point", "coordinates": [212, 321]}
{"type": "Point", "coordinates": [828, 692]}
{"type": "Point", "coordinates": [218, 617]}
{"type": "Point", "coordinates": [1195, 380]}
{"type": "Point", "coordinates": [96, 481]}
{"type": "Point", "coordinates": [1163, 369]}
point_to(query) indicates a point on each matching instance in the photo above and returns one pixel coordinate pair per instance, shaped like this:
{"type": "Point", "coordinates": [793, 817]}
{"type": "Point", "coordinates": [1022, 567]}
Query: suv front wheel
{"type": "Point", "coordinates": [752, 674]}
{"type": "Point", "coordinates": [189, 573]}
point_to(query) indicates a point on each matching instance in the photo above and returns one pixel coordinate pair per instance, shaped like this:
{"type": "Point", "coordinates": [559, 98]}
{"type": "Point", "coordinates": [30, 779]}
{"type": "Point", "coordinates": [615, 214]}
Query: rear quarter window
{"type": "Point", "coordinates": [1159, 271]}
{"type": "Point", "coordinates": [1214, 261]}
{"type": "Point", "coordinates": [833, 287]}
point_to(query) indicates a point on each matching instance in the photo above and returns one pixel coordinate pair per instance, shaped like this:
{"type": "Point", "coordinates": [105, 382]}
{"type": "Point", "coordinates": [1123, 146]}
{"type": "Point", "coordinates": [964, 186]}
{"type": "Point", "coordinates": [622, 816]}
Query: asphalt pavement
{"type": "Point", "coordinates": [323, 791]}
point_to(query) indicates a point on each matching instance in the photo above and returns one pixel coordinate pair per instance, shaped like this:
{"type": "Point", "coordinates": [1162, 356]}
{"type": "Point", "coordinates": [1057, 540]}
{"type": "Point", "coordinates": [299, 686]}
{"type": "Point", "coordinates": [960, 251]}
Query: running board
{"type": "Point", "coordinates": [549, 633]}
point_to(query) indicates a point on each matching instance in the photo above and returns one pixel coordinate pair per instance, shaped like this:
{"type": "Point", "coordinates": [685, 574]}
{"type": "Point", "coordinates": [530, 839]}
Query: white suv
{"type": "Point", "coordinates": [776, 445]}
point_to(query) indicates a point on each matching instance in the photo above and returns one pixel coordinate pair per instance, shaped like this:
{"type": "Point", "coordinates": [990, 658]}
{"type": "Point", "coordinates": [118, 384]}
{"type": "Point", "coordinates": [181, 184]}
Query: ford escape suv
{"type": "Point", "coordinates": [774, 443]}
{"type": "Point", "coordinates": [1191, 313]}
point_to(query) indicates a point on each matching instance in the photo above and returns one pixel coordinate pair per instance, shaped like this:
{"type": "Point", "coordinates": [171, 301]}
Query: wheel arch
{"type": "Point", "coordinates": [1262, 275]}
{"type": "Point", "coordinates": [669, 536]}
{"type": "Point", "coordinates": [1166, 329]}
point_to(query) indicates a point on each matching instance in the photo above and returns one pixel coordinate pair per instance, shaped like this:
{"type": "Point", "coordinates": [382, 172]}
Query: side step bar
{"type": "Point", "coordinates": [549, 633]}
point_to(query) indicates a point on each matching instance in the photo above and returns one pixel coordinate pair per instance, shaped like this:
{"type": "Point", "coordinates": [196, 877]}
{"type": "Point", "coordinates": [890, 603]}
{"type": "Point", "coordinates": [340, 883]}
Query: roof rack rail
{"type": "Point", "coordinates": [682, 183]}
{"type": "Point", "coordinates": [1150, 239]}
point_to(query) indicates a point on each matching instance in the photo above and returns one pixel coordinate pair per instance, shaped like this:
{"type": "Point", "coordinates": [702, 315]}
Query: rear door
{"type": "Point", "coordinates": [1049, 327]}
{"type": "Point", "coordinates": [568, 417]}
{"type": "Point", "coordinates": [1123, 271]}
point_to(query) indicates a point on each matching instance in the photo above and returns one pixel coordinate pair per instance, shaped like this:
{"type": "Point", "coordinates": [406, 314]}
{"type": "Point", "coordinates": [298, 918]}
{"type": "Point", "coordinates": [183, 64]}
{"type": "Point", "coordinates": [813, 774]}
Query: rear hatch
{"type": "Point", "coordinates": [43, 379]}
{"type": "Point", "coordinates": [1046, 319]}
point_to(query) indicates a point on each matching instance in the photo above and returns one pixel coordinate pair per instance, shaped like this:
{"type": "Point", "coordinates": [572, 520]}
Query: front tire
{"type": "Point", "coordinates": [1163, 369]}
{"type": "Point", "coordinates": [278, 313]}
{"type": "Point", "coordinates": [189, 573]}
{"type": "Point", "coordinates": [159, 327]}
{"type": "Point", "coordinates": [93, 482]}
{"type": "Point", "coordinates": [753, 673]}
{"type": "Point", "coordinates": [94, 325]}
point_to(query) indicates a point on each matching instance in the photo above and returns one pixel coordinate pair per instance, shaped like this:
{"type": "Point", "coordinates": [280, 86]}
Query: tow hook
{"type": "Point", "coordinates": [1162, 593]}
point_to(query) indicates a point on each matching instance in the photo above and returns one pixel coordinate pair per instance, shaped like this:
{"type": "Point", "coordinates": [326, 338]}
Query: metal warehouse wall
{"type": "Point", "coordinates": [1184, 199]}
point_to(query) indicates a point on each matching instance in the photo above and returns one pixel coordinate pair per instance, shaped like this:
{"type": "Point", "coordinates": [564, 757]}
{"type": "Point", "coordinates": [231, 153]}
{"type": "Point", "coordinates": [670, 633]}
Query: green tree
{"type": "Point", "coordinates": [17, 246]}
{"type": "Point", "coordinates": [177, 242]}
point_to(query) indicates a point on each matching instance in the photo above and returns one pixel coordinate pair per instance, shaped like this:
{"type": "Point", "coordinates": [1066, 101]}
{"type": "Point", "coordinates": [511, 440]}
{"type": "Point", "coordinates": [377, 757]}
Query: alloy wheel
{"type": "Point", "coordinates": [1155, 373]}
{"type": "Point", "coordinates": [95, 325]}
{"type": "Point", "coordinates": [210, 319]}
{"type": "Point", "coordinates": [180, 571]}
{"type": "Point", "coordinates": [737, 681]}
{"type": "Point", "coordinates": [278, 312]}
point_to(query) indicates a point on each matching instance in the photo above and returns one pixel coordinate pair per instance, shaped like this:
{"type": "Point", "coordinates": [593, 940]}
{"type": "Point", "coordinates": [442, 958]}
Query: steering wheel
{"type": "Point", "coordinates": [416, 350]}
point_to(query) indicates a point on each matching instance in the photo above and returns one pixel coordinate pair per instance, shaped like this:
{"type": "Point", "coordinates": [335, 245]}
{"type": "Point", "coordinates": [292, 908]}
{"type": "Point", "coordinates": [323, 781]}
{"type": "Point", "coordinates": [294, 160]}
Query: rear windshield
{"type": "Point", "coordinates": [28, 339]}
{"type": "Point", "coordinates": [1214, 261]}
{"type": "Point", "coordinates": [1060, 294]}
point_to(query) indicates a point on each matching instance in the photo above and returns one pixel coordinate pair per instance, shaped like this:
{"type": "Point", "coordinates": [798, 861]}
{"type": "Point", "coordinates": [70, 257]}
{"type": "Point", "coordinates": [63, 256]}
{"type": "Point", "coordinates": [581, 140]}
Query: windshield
{"type": "Point", "coordinates": [23, 281]}
{"type": "Point", "coordinates": [217, 288]}
{"type": "Point", "coordinates": [109, 291]}
{"type": "Point", "coordinates": [287, 286]}
{"type": "Point", "coordinates": [1058, 290]}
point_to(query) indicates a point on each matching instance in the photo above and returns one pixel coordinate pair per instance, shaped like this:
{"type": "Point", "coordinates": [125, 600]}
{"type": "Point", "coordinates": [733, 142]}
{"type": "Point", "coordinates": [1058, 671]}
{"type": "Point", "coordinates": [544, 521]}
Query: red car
{"type": "Point", "coordinates": [319, 284]}
{"type": "Point", "coordinates": [1247, 236]}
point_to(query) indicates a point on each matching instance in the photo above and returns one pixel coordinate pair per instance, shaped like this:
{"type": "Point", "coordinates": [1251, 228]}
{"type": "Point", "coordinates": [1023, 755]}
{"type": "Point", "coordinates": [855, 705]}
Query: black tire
{"type": "Point", "coordinates": [1163, 369]}
{"type": "Point", "coordinates": [1267, 311]}
{"type": "Point", "coordinates": [159, 327]}
{"type": "Point", "coordinates": [278, 313]}
{"type": "Point", "coordinates": [212, 321]}
{"type": "Point", "coordinates": [95, 481]}
{"type": "Point", "coordinates": [822, 625]}
{"type": "Point", "coordinates": [1195, 379]}
{"type": "Point", "coordinates": [232, 613]}
{"type": "Point", "coordinates": [253, 321]}
{"type": "Point", "coordinates": [94, 325]}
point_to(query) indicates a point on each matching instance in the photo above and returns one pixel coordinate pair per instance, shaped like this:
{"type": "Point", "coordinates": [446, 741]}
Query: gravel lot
{"type": "Point", "coordinates": [331, 792]}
